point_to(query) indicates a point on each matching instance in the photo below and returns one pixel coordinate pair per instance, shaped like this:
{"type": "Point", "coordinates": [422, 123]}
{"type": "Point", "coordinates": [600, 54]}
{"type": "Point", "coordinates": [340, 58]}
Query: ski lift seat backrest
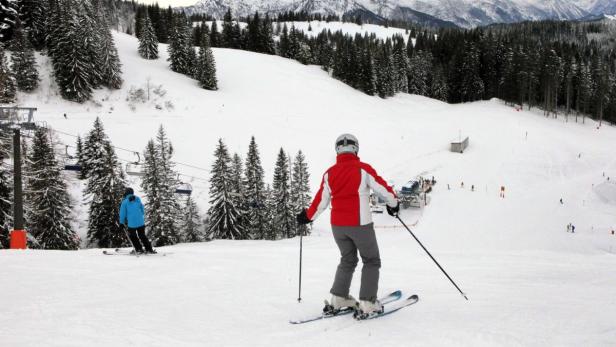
{"type": "Point", "coordinates": [72, 167]}
{"type": "Point", "coordinates": [184, 189]}
{"type": "Point", "coordinates": [134, 169]}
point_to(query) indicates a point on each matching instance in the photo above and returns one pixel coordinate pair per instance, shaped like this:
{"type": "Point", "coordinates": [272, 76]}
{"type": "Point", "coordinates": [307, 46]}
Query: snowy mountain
{"type": "Point", "coordinates": [598, 7]}
{"type": "Point", "coordinates": [465, 13]}
{"type": "Point", "coordinates": [529, 282]}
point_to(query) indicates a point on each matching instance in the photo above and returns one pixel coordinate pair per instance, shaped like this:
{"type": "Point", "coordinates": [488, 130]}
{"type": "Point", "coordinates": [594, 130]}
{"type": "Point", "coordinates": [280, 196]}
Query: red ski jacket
{"type": "Point", "coordinates": [347, 184]}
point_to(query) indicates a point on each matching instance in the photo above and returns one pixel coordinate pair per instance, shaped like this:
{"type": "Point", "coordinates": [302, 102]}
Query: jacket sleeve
{"type": "Point", "coordinates": [321, 200]}
{"type": "Point", "coordinates": [379, 186]}
{"type": "Point", "coordinates": [123, 212]}
{"type": "Point", "coordinates": [141, 207]}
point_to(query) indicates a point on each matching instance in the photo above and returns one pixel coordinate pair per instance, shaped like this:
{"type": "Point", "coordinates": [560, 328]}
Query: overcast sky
{"type": "Point", "coordinates": [173, 3]}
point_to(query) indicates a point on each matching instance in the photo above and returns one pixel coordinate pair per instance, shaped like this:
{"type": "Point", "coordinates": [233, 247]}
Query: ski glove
{"type": "Point", "coordinates": [302, 218]}
{"type": "Point", "coordinates": [393, 211]}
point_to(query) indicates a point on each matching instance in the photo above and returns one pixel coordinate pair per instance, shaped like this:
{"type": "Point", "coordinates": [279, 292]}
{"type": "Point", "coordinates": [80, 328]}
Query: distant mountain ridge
{"type": "Point", "coordinates": [464, 13]}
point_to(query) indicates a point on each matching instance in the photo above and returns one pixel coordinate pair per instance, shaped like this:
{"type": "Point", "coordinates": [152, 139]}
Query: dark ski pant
{"type": "Point", "coordinates": [351, 239]}
{"type": "Point", "coordinates": [136, 235]}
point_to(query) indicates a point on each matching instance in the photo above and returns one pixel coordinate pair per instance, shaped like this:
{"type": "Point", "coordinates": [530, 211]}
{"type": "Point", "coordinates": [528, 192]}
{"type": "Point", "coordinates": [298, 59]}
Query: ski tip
{"type": "Point", "coordinates": [413, 297]}
{"type": "Point", "coordinates": [396, 293]}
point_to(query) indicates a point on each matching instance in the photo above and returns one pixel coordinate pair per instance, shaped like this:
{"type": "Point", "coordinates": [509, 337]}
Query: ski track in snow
{"type": "Point", "coordinates": [529, 282]}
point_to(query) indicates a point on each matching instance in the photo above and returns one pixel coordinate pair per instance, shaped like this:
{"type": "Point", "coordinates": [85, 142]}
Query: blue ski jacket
{"type": "Point", "coordinates": [131, 212]}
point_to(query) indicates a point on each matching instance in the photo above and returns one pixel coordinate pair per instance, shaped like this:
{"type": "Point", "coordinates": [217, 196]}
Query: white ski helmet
{"type": "Point", "coordinates": [347, 143]}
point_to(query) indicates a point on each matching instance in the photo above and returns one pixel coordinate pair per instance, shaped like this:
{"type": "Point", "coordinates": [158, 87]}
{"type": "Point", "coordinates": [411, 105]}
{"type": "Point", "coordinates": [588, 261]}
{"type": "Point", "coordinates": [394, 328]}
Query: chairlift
{"type": "Point", "coordinates": [71, 163]}
{"type": "Point", "coordinates": [184, 189]}
{"type": "Point", "coordinates": [135, 168]}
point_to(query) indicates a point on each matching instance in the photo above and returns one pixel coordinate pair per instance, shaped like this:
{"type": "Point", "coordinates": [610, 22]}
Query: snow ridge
{"type": "Point", "coordinates": [464, 13]}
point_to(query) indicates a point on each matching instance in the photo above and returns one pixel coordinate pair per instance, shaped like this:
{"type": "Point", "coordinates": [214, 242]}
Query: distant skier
{"type": "Point", "coordinates": [502, 192]}
{"type": "Point", "coordinates": [348, 184]}
{"type": "Point", "coordinates": [561, 201]}
{"type": "Point", "coordinates": [472, 188]}
{"type": "Point", "coordinates": [132, 217]}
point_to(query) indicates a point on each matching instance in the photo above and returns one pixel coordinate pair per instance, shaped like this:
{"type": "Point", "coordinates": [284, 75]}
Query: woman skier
{"type": "Point", "coordinates": [347, 184]}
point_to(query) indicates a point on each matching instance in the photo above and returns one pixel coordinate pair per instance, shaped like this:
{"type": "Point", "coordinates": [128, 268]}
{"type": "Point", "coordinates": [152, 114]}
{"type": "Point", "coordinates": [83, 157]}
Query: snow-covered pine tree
{"type": "Point", "coordinates": [215, 35]}
{"type": "Point", "coordinates": [368, 73]}
{"type": "Point", "coordinates": [237, 171]}
{"type": "Point", "coordinates": [438, 90]}
{"type": "Point", "coordinates": [72, 51]}
{"type": "Point", "coordinates": [385, 71]}
{"type": "Point", "coordinates": [283, 43]}
{"type": "Point", "coordinates": [239, 196]}
{"type": "Point", "coordinates": [9, 11]}
{"type": "Point", "coordinates": [49, 215]}
{"type": "Point", "coordinates": [79, 155]}
{"type": "Point", "coordinates": [178, 49]}
{"type": "Point", "coordinates": [270, 232]}
{"type": "Point", "coordinates": [420, 66]}
{"type": "Point", "coordinates": [585, 90]}
{"type": "Point", "coordinates": [32, 14]}
{"type": "Point", "coordinates": [253, 32]}
{"type": "Point", "coordinates": [192, 54]}
{"type": "Point", "coordinates": [254, 191]}
{"type": "Point", "coordinates": [300, 188]}
{"type": "Point", "coordinates": [284, 219]}
{"type": "Point", "coordinates": [472, 87]}
{"type": "Point", "coordinates": [91, 152]}
{"type": "Point", "coordinates": [158, 184]}
{"type": "Point", "coordinates": [192, 227]}
{"type": "Point", "coordinates": [294, 43]}
{"type": "Point", "coordinates": [227, 28]}
{"type": "Point", "coordinates": [148, 43]}
{"type": "Point", "coordinates": [401, 65]}
{"type": "Point", "coordinates": [266, 36]}
{"type": "Point", "coordinates": [90, 33]}
{"type": "Point", "coordinates": [223, 215]}
{"type": "Point", "coordinates": [6, 213]}
{"type": "Point", "coordinates": [108, 61]}
{"type": "Point", "coordinates": [206, 66]}
{"type": "Point", "coordinates": [104, 190]}
{"type": "Point", "coordinates": [8, 85]}
{"type": "Point", "coordinates": [24, 63]}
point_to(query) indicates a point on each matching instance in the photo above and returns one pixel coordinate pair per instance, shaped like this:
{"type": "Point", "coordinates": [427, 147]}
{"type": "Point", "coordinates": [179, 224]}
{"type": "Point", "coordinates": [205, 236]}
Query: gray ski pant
{"type": "Point", "coordinates": [351, 239]}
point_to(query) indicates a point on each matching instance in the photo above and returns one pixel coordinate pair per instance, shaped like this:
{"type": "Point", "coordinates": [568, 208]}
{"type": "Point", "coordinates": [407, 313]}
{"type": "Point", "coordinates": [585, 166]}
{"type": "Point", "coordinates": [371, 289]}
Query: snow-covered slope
{"type": "Point", "coordinates": [466, 13]}
{"type": "Point", "coordinates": [598, 7]}
{"type": "Point", "coordinates": [529, 282]}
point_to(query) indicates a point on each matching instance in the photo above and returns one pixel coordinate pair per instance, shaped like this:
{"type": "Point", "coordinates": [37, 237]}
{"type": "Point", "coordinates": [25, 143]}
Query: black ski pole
{"type": "Point", "coordinates": [436, 262]}
{"type": "Point", "coordinates": [125, 228]}
{"type": "Point", "coordinates": [301, 236]}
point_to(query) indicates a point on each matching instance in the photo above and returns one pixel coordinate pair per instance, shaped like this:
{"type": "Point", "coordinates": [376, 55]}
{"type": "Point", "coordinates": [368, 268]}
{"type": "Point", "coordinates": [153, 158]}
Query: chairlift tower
{"type": "Point", "coordinates": [16, 119]}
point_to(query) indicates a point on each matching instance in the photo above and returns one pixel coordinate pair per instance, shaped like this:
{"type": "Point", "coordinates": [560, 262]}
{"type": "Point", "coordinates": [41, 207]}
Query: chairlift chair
{"type": "Point", "coordinates": [135, 168]}
{"type": "Point", "coordinates": [71, 163]}
{"type": "Point", "coordinates": [184, 189]}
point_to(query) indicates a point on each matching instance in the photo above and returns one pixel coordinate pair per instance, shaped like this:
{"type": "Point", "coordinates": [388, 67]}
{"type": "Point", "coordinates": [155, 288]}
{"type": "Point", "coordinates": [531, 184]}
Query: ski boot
{"type": "Point", "coordinates": [152, 251]}
{"type": "Point", "coordinates": [368, 309]}
{"type": "Point", "coordinates": [339, 304]}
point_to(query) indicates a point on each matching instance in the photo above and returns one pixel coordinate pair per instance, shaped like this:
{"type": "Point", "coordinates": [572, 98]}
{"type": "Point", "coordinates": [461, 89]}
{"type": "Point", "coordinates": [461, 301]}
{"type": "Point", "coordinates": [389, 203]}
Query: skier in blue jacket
{"type": "Point", "coordinates": [132, 217]}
